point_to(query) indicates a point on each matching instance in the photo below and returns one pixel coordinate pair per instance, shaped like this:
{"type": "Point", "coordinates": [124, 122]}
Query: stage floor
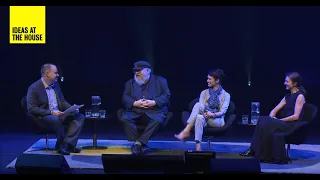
{"type": "Point", "coordinates": [306, 158]}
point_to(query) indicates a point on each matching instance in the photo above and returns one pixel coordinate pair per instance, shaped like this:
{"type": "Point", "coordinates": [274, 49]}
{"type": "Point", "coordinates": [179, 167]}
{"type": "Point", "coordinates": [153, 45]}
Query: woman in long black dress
{"type": "Point", "coordinates": [268, 142]}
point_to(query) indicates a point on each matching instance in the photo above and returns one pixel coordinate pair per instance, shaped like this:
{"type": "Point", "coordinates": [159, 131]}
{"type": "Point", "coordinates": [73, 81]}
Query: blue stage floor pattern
{"type": "Point", "coordinates": [306, 157]}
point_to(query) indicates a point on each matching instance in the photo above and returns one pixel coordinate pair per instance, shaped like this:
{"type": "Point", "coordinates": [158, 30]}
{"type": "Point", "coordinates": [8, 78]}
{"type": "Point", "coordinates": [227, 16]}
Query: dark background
{"type": "Point", "coordinates": [95, 48]}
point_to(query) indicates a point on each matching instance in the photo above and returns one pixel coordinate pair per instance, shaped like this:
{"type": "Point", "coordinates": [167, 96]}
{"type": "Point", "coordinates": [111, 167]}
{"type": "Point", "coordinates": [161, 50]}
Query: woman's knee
{"type": "Point", "coordinates": [196, 105]}
{"type": "Point", "coordinates": [200, 119]}
{"type": "Point", "coordinates": [263, 119]}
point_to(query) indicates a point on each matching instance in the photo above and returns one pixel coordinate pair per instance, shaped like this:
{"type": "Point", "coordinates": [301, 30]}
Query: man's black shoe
{"type": "Point", "coordinates": [136, 149]}
{"type": "Point", "coordinates": [63, 151]}
{"type": "Point", "coordinates": [248, 152]}
{"type": "Point", "coordinates": [145, 149]}
{"type": "Point", "coordinates": [59, 144]}
{"type": "Point", "coordinates": [72, 149]}
{"type": "Point", "coordinates": [75, 150]}
{"type": "Point", "coordinates": [67, 149]}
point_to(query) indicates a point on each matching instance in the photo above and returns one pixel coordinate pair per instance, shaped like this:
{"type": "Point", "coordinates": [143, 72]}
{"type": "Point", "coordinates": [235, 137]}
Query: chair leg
{"type": "Point", "coordinates": [47, 141]}
{"type": "Point", "coordinates": [43, 149]}
{"type": "Point", "coordinates": [288, 153]}
{"type": "Point", "coordinates": [209, 142]}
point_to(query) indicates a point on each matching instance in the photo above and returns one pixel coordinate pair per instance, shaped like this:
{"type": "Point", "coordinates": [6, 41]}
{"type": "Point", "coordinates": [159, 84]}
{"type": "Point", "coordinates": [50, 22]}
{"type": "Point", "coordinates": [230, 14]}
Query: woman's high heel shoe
{"type": "Point", "coordinates": [182, 136]}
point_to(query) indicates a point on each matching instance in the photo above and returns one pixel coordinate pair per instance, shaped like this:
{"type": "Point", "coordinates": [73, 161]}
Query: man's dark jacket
{"type": "Point", "coordinates": [37, 99]}
{"type": "Point", "coordinates": [155, 89]}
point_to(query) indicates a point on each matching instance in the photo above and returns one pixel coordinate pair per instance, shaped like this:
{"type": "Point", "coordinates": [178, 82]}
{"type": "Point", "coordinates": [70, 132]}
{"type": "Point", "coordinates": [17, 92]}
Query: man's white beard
{"type": "Point", "coordinates": [143, 80]}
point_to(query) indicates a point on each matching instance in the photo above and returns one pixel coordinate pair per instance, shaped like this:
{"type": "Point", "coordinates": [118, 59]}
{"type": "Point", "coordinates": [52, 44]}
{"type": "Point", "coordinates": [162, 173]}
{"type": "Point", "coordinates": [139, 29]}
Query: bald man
{"type": "Point", "coordinates": [46, 102]}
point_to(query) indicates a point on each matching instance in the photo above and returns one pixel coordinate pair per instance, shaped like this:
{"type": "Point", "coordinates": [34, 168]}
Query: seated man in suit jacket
{"type": "Point", "coordinates": [46, 102]}
{"type": "Point", "coordinates": [146, 98]}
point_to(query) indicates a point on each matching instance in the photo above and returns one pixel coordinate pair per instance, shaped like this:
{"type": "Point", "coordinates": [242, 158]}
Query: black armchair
{"type": "Point", "coordinates": [210, 132]}
{"type": "Point", "coordinates": [143, 125]}
{"type": "Point", "coordinates": [299, 134]}
{"type": "Point", "coordinates": [36, 126]}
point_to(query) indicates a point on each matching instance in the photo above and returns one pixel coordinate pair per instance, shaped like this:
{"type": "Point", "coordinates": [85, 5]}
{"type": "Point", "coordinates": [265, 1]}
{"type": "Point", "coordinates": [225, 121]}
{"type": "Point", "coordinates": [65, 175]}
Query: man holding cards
{"type": "Point", "coordinates": [46, 102]}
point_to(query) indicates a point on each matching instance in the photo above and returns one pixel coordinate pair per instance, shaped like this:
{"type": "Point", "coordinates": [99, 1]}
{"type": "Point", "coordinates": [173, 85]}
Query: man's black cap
{"type": "Point", "coordinates": [139, 65]}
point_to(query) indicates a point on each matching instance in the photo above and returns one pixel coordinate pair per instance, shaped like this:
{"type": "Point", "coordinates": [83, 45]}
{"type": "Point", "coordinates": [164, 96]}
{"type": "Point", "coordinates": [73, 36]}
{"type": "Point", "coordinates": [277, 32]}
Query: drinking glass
{"type": "Point", "coordinates": [88, 112]}
{"type": "Point", "coordinates": [102, 113]}
{"type": "Point", "coordinates": [245, 119]}
{"type": "Point", "coordinates": [96, 100]}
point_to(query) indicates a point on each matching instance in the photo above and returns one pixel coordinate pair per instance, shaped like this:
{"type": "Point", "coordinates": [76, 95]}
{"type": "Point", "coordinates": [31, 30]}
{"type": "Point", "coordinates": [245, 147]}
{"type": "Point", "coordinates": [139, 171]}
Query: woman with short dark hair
{"type": "Point", "coordinates": [210, 110]}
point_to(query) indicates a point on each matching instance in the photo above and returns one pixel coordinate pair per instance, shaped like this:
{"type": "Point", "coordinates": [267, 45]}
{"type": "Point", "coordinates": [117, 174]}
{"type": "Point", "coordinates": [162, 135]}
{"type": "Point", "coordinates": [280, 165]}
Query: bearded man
{"type": "Point", "coordinates": [146, 99]}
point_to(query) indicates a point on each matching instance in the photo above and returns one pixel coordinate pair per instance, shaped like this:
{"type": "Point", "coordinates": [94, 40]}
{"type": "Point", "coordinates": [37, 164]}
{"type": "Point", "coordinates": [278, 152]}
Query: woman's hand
{"type": "Point", "coordinates": [209, 114]}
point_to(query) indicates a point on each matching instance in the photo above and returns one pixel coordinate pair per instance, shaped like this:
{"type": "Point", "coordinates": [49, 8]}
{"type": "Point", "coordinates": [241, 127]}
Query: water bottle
{"type": "Point", "coordinates": [96, 101]}
{"type": "Point", "coordinates": [255, 112]}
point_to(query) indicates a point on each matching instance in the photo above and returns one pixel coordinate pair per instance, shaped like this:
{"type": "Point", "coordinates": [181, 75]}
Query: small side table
{"type": "Point", "coordinates": [95, 146]}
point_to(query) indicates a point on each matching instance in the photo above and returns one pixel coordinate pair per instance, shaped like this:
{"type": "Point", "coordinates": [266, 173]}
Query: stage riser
{"type": "Point", "coordinates": [41, 164]}
{"type": "Point", "coordinates": [237, 165]}
{"type": "Point", "coordinates": [145, 163]}
{"type": "Point", "coordinates": [178, 164]}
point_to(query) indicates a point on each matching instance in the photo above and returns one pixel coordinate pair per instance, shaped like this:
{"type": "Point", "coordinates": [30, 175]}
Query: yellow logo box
{"type": "Point", "coordinates": [27, 25]}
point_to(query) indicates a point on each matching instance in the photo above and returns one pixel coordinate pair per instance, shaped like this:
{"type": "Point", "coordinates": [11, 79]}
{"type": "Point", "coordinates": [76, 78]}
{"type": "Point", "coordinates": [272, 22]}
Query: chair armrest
{"type": "Point", "coordinates": [230, 120]}
{"type": "Point", "coordinates": [119, 113]}
{"type": "Point", "coordinates": [208, 131]}
{"type": "Point", "coordinates": [35, 121]}
{"type": "Point", "coordinates": [297, 127]}
{"type": "Point", "coordinates": [169, 116]}
{"type": "Point", "coordinates": [185, 116]}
